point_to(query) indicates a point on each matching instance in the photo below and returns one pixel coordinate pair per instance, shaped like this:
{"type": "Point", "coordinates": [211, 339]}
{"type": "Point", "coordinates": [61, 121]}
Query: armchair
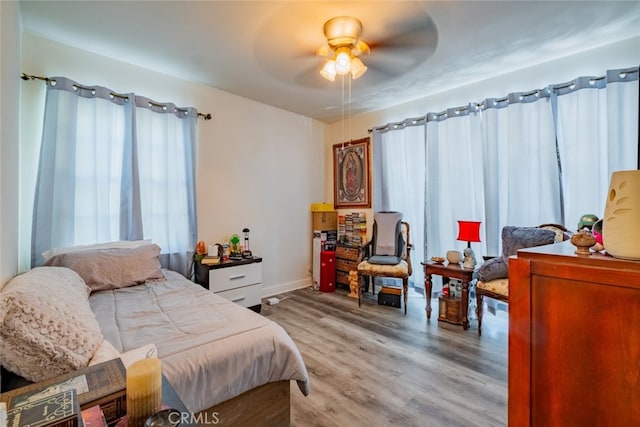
{"type": "Point", "coordinates": [388, 253]}
{"type": "Point", "coordinates": [493, 275]}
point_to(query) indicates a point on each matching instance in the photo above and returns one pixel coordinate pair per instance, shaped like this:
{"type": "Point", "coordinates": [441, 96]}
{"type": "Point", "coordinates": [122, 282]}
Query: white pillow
{"type": "Point", "coordinates": [108, 245]}
{"type": "Point", "coordinates": [47, 327]}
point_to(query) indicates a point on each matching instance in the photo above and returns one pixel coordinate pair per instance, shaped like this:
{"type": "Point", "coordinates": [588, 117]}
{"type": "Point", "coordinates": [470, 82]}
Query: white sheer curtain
{"type": "Point", "coordinates": [503, 162]}
{"type": "Point", "coordinates": [597, 125]}
{"type": "Point", "coordinates": [404, 186]}
{"type": "Point", "coordinates": [165, 148]}
{"type": "Point", "coordinates": [521, 177]}
{"type": "Point", "coordinates": [454, 179]}
{"type": "Point", "coordinates": [84, 141]}
{"type": "Point", "coordinates": [109, 170]}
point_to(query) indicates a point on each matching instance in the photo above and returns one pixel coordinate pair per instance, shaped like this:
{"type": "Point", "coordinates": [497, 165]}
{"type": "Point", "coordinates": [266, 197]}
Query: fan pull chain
{"type": "Point", "coordinates": [350, 80]}
{"type": "Point", "coordinates": [342, 113]}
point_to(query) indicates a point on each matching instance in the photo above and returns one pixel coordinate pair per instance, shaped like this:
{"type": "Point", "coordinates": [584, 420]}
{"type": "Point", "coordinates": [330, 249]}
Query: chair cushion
{"type": "Point", "coordinates": [384, 259]}
{"type": "Point", "coordinates": [387, 226]}
{"type": "Point", "coordinates": [495, 268]}
{"type": "Point", "coordinates": [398, 270]}
{"type": "Point", "coordinates": [514, 238]}
{"type": "Point", "coordinates": [497, 286]}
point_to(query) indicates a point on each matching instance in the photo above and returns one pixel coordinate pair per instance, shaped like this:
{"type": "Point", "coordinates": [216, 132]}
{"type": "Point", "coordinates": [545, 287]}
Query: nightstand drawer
{"type": "Point", "coordinates": [223, 279]}
{"type": "Point", "coordinates": [246, 296]}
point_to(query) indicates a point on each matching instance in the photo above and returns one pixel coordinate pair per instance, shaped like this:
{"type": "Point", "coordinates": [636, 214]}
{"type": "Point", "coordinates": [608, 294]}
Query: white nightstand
{"type": "Point", "coordinates": [239, 281]}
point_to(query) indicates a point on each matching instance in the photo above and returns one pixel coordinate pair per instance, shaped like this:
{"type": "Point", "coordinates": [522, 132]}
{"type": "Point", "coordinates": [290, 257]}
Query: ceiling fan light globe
{"type": "Point", "coordinates": [329, 70]}
{"type": "Point", "coordinates": [357, 68]}
{"type": "Point", "coordinates": [343, 63]}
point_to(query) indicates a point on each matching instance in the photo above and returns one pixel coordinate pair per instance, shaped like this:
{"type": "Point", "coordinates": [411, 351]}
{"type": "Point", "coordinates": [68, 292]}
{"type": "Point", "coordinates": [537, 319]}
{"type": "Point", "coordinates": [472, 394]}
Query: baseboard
{"type": "Point", "coordinates": [281, 288]}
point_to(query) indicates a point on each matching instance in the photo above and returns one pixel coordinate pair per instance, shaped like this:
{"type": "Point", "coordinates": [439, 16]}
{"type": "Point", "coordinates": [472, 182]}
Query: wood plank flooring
{"type": "Point", "coordinates": [374, 366]}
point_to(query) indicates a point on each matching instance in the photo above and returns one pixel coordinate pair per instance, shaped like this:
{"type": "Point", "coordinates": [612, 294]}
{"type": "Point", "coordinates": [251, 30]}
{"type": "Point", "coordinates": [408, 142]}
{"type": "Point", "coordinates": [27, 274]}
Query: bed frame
{"type": "Point", "coordinates": [266, 405]}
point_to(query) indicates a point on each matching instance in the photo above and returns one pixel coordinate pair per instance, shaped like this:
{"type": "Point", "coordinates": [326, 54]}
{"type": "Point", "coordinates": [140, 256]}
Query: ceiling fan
{"type": "Point", "coordinates": [389, 40]}
{"type": "Point", "coordinates": [343, 48]}
{"type": "Point", "coordinates": [395, 47]}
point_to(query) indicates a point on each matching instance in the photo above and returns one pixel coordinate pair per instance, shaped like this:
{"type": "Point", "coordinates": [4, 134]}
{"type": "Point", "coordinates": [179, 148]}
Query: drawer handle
{"type": "Point", "coordinates": [239, 276]}
{"type": "Point", "coordinates": [238, 299]}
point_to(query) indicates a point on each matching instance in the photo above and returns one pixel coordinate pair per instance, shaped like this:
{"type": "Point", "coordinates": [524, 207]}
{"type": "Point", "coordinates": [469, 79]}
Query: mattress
{"type": "Point", "coordinates": [211, 349]}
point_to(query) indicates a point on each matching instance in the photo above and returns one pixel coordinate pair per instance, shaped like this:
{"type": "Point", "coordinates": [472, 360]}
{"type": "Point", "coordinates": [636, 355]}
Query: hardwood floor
{"type": "Point", "coordinates": [374, 366]}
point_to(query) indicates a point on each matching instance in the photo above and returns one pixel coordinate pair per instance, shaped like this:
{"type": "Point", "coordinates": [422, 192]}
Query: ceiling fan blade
{"type": "Point", "coordinates": [419, 34]}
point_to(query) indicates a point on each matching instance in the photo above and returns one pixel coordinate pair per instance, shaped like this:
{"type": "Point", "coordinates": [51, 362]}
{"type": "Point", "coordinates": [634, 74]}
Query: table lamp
{"type": "Point", "coordinates": [469, 231]}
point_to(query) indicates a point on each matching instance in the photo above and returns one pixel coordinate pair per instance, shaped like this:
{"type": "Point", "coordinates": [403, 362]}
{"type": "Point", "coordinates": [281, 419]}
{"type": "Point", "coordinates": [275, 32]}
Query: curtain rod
{"type": "Point", "coordinates": [26, 76]}
{"type": "Point", "coordinates": [552, 87]}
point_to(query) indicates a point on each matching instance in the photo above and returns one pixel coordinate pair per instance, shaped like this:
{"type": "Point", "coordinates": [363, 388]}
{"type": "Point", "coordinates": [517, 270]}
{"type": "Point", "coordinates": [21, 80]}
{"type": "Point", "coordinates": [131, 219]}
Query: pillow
{"type": "Point", "coordinates": [113, 268]}
{"type": "Point", "coordinates": [495, 268]}
{"type": "Point", "coordinates": [514, 238]}
{"type": "Point", "coordinates": [47, 327]}
{"type": "Point", "coordinates": [561, 232]}
{"type": "Point", "coordinates": [82, 248]}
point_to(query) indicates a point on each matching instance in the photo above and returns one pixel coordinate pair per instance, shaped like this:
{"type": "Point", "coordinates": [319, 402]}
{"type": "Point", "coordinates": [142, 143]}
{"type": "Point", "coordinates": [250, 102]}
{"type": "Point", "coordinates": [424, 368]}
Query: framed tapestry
{"type": "Point", "coordinates": [351, 177]}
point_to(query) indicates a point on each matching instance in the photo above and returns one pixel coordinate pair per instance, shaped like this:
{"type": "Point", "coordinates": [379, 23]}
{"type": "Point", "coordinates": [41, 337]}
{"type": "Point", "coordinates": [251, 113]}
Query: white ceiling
{"type": "Point", "coordinates": [265, 50]}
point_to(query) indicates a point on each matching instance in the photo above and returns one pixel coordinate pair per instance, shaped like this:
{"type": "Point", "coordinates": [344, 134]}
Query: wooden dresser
{"type": "Point", "coordinates": [574, 339]}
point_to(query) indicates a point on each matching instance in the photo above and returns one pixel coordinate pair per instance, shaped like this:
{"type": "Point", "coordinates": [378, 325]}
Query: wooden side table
{"type": "Point", "coordinates": [452, 271]}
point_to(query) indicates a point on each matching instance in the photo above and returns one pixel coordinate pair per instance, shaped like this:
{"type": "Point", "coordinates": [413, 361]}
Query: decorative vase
{"type": "Point", "coordinates": [583, 240]}
{"type": "Point", "coordinates": [454, 257]}
{"type": "Point", "coordinates": [621, 226]}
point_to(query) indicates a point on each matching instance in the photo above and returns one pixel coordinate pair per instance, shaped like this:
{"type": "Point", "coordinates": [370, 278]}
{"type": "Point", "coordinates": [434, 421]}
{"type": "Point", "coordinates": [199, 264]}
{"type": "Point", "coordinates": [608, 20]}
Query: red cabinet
{"type": "Point", "coordinates": [327, 271]}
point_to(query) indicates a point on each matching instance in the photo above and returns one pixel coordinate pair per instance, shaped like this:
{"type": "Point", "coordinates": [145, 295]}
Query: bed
{"type": "Point", "coordinates": [219, 357]}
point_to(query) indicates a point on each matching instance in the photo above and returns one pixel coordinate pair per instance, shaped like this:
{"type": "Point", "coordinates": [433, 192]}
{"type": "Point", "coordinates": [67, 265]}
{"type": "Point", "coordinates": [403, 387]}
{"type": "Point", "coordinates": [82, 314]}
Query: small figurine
{"type": "Point", "coordinates": [353, 284]}
{"type": "Point", "coordinates": [469, 259]}
{"type": "Point", "coordinates": [587, 221]}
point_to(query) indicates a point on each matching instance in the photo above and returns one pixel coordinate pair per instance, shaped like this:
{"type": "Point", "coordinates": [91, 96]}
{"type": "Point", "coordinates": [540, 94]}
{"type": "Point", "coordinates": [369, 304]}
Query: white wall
{"type": "Point", "coordinates": [9, 133]}
{"type": "Point", "coordinates": [258, 166]}
{"type": "Point", "coordinates": [592, 62]}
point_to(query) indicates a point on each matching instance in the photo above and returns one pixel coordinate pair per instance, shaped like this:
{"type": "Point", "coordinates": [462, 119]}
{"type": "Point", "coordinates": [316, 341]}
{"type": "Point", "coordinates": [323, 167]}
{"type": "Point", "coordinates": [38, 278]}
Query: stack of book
{"type": "Point", "coordinates": [352, 229]}
{"type": "Point", "coordinates": [104, 384]}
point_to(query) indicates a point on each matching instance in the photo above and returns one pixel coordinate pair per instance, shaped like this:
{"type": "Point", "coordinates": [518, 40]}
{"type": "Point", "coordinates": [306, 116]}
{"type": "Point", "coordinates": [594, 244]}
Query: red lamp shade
{"type": "Point", "coordinates": [469, 231]}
